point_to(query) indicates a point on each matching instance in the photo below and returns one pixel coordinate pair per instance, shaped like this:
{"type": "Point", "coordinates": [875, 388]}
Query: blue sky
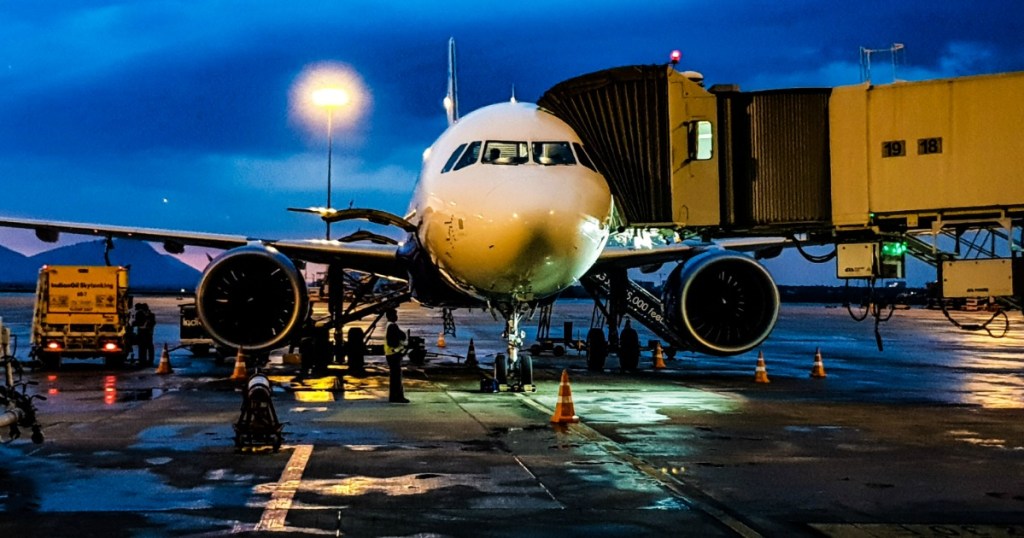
{"type": "Point", "coordinates": [175, 114]}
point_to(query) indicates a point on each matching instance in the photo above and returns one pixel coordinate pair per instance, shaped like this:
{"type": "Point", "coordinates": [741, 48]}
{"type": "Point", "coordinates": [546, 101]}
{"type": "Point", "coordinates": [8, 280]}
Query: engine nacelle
{"type": "Point", "coordinates": [251, 297]}
{"type": "Point", "coordinates": [725, 303]}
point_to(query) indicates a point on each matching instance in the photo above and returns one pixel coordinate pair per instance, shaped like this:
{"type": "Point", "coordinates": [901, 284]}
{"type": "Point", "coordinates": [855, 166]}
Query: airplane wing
{"type": "Point", "coordinates": [623, 258]}
{"type": "Point", "coordinates": [377, 259]}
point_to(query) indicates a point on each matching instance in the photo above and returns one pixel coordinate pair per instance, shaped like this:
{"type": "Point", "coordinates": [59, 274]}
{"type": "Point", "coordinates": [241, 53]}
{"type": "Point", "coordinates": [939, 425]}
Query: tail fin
{"type": "Point", "coordinates": [451, 101]}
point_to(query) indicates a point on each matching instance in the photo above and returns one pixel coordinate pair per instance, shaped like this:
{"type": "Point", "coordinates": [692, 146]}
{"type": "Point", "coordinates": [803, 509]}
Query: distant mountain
{"type": "Point", "coordinates": [149, 270]}
{"type": "Point", "coordinates": [16, 270]}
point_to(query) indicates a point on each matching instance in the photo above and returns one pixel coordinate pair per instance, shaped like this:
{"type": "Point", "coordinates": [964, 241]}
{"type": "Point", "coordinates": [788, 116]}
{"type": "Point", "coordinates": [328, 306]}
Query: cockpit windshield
{"type": "Point", "coordinates": [583, 157]}
{"type": "Point", "coordinates": [505, 152]}
{"type": "Point", "coordinates": [552, 153]}
{"type": "Point", "coordinates": [469, 157]}
{"type": "Point", "coordinates": [510, 152]}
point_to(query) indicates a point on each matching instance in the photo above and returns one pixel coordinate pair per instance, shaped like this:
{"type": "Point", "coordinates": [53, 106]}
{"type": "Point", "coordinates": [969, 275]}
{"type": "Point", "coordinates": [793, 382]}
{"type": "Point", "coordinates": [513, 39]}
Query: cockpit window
{"type": "Point", "coordinates": [505, 152]}
{"type": "Point", "coordinates": [469, 157]}
{"type": "Point", "coordinates": [552, 153]}
{"type": "Point", "coordinates": [451, 160]}
{"type": "Point", "coordinates": [583, 157]}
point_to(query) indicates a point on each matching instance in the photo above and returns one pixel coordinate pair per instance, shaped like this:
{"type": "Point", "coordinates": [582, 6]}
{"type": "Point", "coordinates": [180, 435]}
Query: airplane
{"type": "Point", "coordinates": [508, 211]}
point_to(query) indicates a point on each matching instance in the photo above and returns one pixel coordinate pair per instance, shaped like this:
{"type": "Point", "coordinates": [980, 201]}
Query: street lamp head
{"type": "Point", "coordinates": [328, 91]}
{"type": "Point", "coordinates": [331, 97]}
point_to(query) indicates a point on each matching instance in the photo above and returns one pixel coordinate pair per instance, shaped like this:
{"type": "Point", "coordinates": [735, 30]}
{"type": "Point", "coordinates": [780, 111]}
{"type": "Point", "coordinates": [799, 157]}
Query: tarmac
{"type": "Point", "coordinates": [922, 439]}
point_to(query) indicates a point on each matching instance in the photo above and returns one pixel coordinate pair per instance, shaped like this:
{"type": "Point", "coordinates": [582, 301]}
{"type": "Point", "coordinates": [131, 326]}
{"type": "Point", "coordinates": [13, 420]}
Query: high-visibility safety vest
{"type": "Point", "coordinates": [398, 348]}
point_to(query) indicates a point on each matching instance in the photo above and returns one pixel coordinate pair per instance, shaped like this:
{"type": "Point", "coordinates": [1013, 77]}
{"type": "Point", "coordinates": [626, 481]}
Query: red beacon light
{"type": "Point", "coordinates": [675, 56]}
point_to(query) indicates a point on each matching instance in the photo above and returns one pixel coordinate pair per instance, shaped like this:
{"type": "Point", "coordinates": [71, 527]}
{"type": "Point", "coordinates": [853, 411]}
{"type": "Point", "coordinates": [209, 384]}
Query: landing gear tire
{"type": "Point", "coordinates": [501, 369]}
{"type": "Point", "coordinates": [525, 370]}
{"type": "Point", "coordinates": [355, 349]}
{"type": "Point", "coordinates": [597, 350]}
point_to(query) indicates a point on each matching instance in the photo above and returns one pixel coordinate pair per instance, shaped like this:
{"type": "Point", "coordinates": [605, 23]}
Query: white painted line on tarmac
{"type": "Point", "coordinates": [276, 511]}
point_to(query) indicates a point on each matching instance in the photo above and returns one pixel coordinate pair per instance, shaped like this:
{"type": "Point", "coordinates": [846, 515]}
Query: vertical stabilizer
{"type": "Point", "coordinates": [451, 101]}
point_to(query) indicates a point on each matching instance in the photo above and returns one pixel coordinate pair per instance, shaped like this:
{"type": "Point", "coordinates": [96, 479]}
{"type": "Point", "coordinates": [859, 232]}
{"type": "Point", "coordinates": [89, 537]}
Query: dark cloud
{"type": "Point", "coordinates": [144, 100]}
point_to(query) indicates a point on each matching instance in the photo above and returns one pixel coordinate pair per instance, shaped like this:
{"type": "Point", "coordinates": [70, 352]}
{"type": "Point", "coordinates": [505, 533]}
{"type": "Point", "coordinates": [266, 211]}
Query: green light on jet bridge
{"type": "Point", "coordinates": [894, 250]}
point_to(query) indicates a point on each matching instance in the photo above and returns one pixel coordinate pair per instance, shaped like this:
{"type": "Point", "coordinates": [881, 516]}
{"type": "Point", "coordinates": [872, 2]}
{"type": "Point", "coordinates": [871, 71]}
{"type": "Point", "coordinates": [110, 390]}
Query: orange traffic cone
{"type": "Point", "coordinates": [818, 371]}
{"type": "Point", "coordinates": [165, 363]}
{"type": "Point", "coordinates": [564, 410]}
{"type": "Point", "coordinates": [760, 373]}
{"type": "Point", "coordinates": [240, 371]}
{"type": "Point", "coordinates": [440, 339]}
{"type": "Point", "coordinates": [659, 358]}
{"type": "Point", "coordinates": [471, 354]}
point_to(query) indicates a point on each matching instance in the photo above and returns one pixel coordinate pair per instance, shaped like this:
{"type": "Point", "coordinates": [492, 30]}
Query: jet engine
{"type": "Point", "coordinates": [725, 303]}
{"type": "Point", "coordinates": [251, 297]}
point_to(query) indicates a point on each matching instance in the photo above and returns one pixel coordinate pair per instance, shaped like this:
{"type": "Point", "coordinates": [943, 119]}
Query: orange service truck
{"type": "Point", "coordinates": [81, 312]}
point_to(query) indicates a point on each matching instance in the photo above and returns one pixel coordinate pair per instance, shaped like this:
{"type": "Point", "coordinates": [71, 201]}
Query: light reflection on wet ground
{"type": "Point", "coordinates": [933, 401]}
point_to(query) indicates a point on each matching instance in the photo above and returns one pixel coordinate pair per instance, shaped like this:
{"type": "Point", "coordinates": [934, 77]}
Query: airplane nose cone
{"type": "Point", "coordinates": [536, 243]}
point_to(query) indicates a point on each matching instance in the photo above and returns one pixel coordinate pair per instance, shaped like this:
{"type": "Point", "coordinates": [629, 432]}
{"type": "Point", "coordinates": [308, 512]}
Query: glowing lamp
{"type": "Point", "coordinates": [675, 56]}
{"type": "Point", "coordinates": [329, 97]}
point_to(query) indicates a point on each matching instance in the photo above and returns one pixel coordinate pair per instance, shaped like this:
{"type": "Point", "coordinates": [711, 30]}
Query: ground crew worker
{"type": "Point", "coordinates": [629, 348]}
{"type": "Point", "coordinates": [145, 322]}
{"type": "Point", "coordinates": [394, 350]}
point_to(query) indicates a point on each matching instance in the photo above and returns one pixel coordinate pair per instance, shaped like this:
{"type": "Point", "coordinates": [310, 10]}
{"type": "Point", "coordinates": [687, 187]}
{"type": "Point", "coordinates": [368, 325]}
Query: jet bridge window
{"type": "Point", "coordinates": [505, 152]}
{"type": "Point", "coordinates": [552, 153]}
{"type": "Point", "coordinates": [583, 157]}
{"type": "Point", "coordinates": [469, 157]}
{"type": "Point", "coordinates": [455, 156]}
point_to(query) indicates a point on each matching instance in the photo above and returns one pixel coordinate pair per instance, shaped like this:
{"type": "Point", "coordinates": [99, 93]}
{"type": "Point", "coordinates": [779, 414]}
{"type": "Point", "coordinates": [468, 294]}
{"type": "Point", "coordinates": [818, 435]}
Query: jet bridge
{"type": "Point", "coordinates": [928, 163]}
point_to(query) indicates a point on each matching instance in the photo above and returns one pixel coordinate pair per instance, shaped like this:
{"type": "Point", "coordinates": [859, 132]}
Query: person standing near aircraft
{"type": "Point", "coordinates": [394, 350]}
{"type": "Point", "coordinates": [145, 322]}
{"type": "Point", "coordinates": [629, 348]}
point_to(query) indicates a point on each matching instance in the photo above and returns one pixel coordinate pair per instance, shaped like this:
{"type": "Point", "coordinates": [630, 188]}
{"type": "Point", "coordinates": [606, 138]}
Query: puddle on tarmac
{"type": "Point", "coordinates": [973, 438]}
{"type": "Point", "coordinates": [410, 484]}
{"type": "Point", "coordinates": [138, 395]}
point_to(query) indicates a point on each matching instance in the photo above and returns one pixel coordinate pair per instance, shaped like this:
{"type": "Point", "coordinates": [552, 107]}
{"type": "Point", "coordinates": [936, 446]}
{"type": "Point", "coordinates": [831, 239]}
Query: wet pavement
{"type": "Point", "coordinates": [923, 439]}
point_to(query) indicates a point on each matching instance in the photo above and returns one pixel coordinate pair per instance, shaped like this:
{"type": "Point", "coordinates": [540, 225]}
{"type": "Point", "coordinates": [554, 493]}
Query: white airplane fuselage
{"type": "Point", "coordinates": [504, 211]}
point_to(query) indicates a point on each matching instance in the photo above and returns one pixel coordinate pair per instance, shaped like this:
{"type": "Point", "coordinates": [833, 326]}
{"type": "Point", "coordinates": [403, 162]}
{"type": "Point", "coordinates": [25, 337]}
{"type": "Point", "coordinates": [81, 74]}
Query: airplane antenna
{"type": "Point", "coordinates": [451, 101]}
{"type": "Point", "coordinates": [513, 93]}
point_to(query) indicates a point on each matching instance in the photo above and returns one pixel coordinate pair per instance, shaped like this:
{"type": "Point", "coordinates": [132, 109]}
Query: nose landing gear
{"type": "Point", "coordinates": [514, 372]}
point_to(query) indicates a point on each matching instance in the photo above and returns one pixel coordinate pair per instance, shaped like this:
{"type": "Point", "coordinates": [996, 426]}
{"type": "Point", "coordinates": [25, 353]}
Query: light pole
{"type": "Point", "coordinates": [330, 98]}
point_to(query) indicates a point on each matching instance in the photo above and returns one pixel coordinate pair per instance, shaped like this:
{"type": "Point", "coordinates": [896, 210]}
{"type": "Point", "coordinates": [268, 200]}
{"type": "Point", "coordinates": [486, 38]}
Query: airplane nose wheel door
{"type": "Point", "coordinates": [514, 372]}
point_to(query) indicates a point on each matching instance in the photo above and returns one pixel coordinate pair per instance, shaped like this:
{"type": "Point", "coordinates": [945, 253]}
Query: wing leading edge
{"type": "Point", "coordinates": [378, 259]}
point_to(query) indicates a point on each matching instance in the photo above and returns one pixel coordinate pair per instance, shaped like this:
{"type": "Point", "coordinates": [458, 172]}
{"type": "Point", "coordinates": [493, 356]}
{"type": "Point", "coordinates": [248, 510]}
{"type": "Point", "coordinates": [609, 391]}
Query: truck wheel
{"type": "Point", "coordinates": [50, 361]}
{"type": "Point", "coordinates": [114, 361]}
{"type": "Point", "coordinates": [536, 349]}
{"type": "Point", "coordinates": [559, 351]}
